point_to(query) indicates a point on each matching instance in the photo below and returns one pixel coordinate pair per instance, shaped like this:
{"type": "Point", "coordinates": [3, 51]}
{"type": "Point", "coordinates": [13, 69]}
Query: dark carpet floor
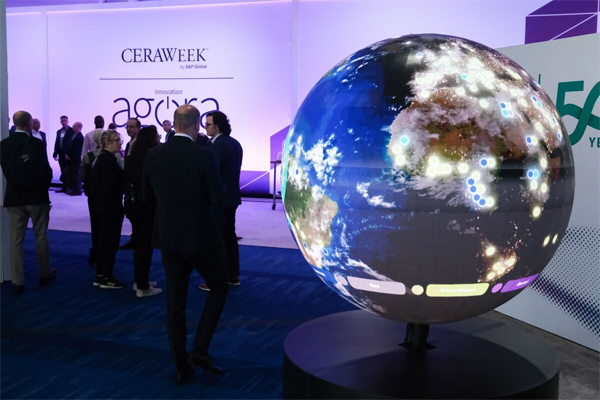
{"type": "Point", "coordinates": [70, 339]}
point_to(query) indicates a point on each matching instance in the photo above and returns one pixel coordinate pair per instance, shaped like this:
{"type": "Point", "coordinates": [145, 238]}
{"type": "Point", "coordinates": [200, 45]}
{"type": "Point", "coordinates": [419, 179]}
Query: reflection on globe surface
{"type": "Point", "coordinates": [427, 178]}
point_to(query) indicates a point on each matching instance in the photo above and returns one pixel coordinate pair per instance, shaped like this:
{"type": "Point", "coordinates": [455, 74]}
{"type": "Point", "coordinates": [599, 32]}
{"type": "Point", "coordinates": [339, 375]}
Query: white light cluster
{"type": "Point", "coordinates": [547, 239]}
{"type": "Point", "coordinates": [537, 177]}
{"type": "Point", "coordinates": [401, 151]}
{"type": "Point", "coordinates": [438, 167]}
{"type": "Point", "coordinates": [498, 264]}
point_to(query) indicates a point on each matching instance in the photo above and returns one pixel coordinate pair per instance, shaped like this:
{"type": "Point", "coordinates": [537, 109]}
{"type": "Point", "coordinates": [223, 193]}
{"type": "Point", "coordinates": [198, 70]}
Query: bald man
{"type": "Point", "coordinates": [168, 128]}
{"type": "Point", "coordinates": [28, 176]}
{"type": "Point", "coordinates": [183, 178]}
{"type": "Point", "coordinates": [37, 133]}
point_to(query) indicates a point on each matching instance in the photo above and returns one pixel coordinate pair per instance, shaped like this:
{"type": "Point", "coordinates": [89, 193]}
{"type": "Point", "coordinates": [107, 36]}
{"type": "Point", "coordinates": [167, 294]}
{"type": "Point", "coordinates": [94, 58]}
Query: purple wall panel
{"type": "Point", "coordinates": [568, 7]}
{"type": "Point", "coordinates": [588, 27]}
{"type": "Point", "coordinates": [560, 19]}
{"type": "Point", "coordinates": [276, 141]}
{"type": "Point", "coordinates": [540, 29]}
{"type": "Point", "coordinates": [254, 183]}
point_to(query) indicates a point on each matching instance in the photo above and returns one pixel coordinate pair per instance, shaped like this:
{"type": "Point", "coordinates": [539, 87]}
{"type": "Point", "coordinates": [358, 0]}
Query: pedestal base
{"type": "Point", "coordinates": [356, 355]}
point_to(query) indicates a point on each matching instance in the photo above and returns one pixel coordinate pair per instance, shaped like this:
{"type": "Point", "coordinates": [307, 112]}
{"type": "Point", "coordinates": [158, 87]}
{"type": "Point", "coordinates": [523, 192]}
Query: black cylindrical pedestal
{"type": "Point", "coordinates": [357, 355]}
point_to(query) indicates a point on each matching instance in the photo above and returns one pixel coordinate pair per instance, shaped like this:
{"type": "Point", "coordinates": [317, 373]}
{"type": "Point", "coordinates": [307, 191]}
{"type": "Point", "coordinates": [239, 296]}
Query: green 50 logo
{"type": "Point", "coordinates": [584, 116]}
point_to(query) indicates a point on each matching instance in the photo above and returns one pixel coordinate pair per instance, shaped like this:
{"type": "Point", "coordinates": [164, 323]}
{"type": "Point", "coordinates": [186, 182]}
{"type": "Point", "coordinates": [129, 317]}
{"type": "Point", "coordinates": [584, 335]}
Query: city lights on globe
{"type": "Point", "coordinates": [427, 178]}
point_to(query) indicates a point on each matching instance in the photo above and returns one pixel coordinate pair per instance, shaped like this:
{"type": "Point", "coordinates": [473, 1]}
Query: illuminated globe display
{"type": "Point", "coordinates": [427, 178]}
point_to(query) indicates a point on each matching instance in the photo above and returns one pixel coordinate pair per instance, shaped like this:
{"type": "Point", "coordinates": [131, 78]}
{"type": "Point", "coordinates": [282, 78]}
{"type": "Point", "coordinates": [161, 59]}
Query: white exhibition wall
{"type": "Point", "coordinates": [73, 60]}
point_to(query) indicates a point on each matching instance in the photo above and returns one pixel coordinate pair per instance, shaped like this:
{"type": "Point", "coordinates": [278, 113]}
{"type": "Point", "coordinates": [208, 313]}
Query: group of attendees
{"type": "Point", "coordinates": [190, 185]}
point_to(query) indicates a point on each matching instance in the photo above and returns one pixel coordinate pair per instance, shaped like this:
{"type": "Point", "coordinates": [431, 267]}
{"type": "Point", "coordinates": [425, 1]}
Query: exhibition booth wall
{"type": "Point", "coordinates": [257, 61]}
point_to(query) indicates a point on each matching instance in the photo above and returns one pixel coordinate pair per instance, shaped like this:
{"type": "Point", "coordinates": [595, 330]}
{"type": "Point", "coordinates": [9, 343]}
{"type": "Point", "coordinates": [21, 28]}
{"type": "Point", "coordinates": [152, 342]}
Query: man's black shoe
{"type": "Point", "coordinates": [18, 289]}
{"type": "Point", "coordinates": [128, 246]}
{"type": "Point", "coordinates": [44, 280]}
{"type": "Point", "coordinates": [185, 376]}
{"type": "Point", "coordinates": [205, 362]}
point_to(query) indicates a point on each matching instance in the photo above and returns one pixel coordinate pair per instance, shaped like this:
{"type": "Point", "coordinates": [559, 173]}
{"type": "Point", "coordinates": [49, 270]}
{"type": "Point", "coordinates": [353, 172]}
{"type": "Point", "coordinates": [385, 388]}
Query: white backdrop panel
{"type": "Point", "coordinates": [91, 67]}
{"type": "Point", "coordinates": [26, 64]}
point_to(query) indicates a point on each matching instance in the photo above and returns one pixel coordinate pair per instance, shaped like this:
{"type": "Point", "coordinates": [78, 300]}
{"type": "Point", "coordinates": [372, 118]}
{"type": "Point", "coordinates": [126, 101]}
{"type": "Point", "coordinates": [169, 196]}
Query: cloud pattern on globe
{"type": "Point", "coordinates": [427, 178]}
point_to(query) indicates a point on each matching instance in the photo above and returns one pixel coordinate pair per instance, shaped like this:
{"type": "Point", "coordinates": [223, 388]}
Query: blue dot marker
{"type": "Point", "coordinates": [502, 105]}
{"type": "Point", "coordinates": [473, 189]}
{"type": "Point", "coordinates": [476, 197]}
{"type": "Point", "coordinates": [482, 202]}
{"type": "Point", "coordinates": [530, 174]}
{"type": "Point", "coordinates": [471, 181]}
{"type": "Point", "coordinates": [483, 162]}
{"type": "Point", "coordinates": [296, 171]}
{"type": "Point", "coordinates": [529, 140]}
{"type": "Point", "coordinates": [534, 98]}
{"type": "Point", "coordinates": [559, 136]}
{"type": "Point", "coordinates": [305, 246]}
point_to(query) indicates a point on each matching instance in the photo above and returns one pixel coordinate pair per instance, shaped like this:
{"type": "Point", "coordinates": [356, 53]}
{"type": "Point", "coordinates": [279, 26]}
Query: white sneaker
{"type": "Point", "coordinates": [148, 292]}
{"type": "Point", "coordinates": [150, 285]}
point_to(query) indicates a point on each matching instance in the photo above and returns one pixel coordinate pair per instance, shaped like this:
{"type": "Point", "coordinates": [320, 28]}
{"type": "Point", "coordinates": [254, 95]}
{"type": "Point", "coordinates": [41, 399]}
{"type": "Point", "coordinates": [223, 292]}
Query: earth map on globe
{"type": "Point", "coordinates": [427, 178]}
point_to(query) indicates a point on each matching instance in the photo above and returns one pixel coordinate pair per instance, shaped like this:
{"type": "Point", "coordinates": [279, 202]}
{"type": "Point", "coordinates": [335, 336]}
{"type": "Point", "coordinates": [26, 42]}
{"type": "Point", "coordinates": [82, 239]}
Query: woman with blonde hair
{"type": "Point", "coordinates": [107, 193]}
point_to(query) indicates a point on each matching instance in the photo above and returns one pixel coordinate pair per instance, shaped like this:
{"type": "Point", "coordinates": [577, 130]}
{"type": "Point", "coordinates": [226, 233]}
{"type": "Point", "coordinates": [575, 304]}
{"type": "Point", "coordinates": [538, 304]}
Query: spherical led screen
{"type": "Point", "coordinates": [427, 178]}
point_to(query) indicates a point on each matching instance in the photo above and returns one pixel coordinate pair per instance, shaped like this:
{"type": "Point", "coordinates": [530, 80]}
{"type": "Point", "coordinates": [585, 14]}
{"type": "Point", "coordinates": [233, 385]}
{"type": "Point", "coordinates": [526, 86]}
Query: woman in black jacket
{"type": "Point", "coordinates": [107, 191]}
{"type": "Point", "coordinates": [141, 211]}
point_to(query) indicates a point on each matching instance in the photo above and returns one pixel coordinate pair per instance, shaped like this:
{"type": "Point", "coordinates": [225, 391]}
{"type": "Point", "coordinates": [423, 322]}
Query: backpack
{"type": "Point", "coordinates": [27, 167]}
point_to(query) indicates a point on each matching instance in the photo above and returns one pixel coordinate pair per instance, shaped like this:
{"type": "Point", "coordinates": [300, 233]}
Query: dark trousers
{"type": "Point", "coordinates": [178, 267]}
{"type": "Point", "coordinates": [63, 163]}
{"type": "Point", "coordinates": [110, 221]}
{"type": "Point", "coordinates": [232, 250]}
{"type": "Point", "coordinates": [128, 206]}
{"type": "Point", "coordinates": [95, 229]}
{"type": "Point", "coordinates": [73, 176]}
{"type": "Point", "coordinates": [142, 223]}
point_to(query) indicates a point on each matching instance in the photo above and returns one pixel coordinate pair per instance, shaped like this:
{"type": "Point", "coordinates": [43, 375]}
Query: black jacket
{"type": "Point", "coordinates": [183, 178]}
{"type": "Point", "coordinates": [73, 149]}
{"type": "Point", "coordinates": [107, 180]}
{"type": "Point", "coordinates": [58, 149]}
{"type": "Point", "coordinates": [16, 195]}
{"type": "Point", "coordinates": [229, 156]}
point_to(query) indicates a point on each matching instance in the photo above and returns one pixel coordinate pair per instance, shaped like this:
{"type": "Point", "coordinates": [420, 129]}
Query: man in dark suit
{"type": "Point", "coordinates": [133, 128]}
{"type": "Point", "coordinates": [168, 128]}
{"type": "Point", "coordinates": [73, 156]}
{"type": "Point", "coordinates": [183, 179]}
{"type": "Point", "coordinates": [201, 139]}
{"type": "Point", "coordinates": [229, 156]}
{"type": "Point", "coordinates": [63, 137]}
{"type": "Point", "coordinates": [28, 176]}
{"type": "Point", "coordinates": [37, 133]}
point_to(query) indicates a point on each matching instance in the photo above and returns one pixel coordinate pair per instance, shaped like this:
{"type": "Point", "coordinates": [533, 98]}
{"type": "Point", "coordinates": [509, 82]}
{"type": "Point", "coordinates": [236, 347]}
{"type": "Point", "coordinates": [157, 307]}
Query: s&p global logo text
{"type": "Point", "coordinates": [163, 55]}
